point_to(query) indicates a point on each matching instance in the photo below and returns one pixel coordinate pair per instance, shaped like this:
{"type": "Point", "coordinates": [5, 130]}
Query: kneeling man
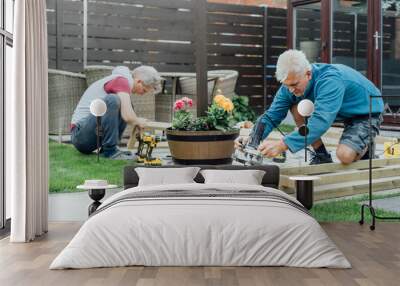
{"type": "Point", "coordinates": [339, 93]}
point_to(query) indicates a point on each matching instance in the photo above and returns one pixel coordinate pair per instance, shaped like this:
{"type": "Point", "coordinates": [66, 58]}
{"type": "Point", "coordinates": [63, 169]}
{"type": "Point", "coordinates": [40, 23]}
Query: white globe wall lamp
{"type": "Point", "coordinates": [98, 108]}
{"type": "Point", "coordinates": [305, 109]}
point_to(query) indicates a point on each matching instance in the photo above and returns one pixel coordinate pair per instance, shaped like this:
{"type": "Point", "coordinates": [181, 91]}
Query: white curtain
{"type": "Point", "coordinates": [27, 125]}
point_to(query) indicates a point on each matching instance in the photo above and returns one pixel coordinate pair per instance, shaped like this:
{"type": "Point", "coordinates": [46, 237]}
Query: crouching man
{"type": "Point", "coordinates": [339, 93]}
{"type": "Point", "coordinates": [115, 90]}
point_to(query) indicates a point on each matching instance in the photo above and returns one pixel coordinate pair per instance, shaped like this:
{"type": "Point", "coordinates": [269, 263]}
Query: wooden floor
{"type": "Point", "coordinates": [375, 257]}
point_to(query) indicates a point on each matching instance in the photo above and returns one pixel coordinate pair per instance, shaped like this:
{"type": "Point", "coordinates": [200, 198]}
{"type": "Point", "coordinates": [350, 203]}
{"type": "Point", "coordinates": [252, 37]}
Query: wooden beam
{"type": "Point", "coordinates": [289, 23]}
{"type": "Point", "coordinates": [200, 39]}
{"type": "Point", "coordinates": [336, 167]}
{"type": "Point", "coordinates": [265, 58]}
{"type": "Point", "coordinates": [347, 176]}
{"type": "Point", "coordinates": [354, 188]}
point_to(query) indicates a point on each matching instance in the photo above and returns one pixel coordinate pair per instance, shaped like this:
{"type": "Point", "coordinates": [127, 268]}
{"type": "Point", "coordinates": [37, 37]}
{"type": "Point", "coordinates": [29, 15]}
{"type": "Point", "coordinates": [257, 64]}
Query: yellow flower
{"type": "Point", "coordinates": [231, 106]}
{"type": "Point", "coordinates": [227, 105]}
{"type": "Point", "coordinates": [219, 99]}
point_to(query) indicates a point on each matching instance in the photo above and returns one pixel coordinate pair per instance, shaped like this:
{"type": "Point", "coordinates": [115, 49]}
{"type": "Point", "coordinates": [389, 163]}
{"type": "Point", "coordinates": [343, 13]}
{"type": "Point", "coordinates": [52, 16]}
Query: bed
{"type": "Point", "coordinates": [201, 224]}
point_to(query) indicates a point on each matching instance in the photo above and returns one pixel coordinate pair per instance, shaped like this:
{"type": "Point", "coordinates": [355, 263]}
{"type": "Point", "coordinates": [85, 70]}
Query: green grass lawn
{"type": "Point", "coordinates": [347, 209]}
{"type": "Point", "coordinates": [69, 168]}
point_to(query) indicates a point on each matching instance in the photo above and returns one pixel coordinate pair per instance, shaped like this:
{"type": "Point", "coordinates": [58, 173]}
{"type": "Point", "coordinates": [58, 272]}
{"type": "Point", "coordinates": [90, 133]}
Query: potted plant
{"type": "Point", "coordinates": [242, 111]}
{"type": "Point", "coordinates": [203, 140]}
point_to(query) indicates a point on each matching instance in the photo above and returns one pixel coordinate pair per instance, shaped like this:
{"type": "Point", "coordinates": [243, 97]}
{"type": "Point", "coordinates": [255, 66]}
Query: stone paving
{"type": "Point", "coordinates": [72, 206]}
{"type": "Point", "coordinates": [388, 204]}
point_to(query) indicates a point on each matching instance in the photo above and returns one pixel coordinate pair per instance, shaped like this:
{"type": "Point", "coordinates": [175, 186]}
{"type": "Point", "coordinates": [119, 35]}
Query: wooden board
{"type": "Point", "coordinates": [336, 167]}
{"type": "Point", "coordinates": [338, 180]}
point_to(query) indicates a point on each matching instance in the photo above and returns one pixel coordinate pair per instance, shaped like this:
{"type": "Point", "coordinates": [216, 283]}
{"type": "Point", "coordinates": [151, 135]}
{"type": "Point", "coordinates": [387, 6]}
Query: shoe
{"type": "Point", "coordinates": [366, 156]}
{"type": "Point", "coordinates": [125, 152]}
{"type": "Point", "coordinates": [129, 153]}
{"type": "Point", "coordinates": [320, 158]}
{"type": "Point", "coordinates": [121, 155]}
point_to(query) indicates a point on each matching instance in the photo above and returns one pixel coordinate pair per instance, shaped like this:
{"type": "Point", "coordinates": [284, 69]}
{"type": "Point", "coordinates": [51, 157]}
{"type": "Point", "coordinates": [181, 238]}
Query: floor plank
{"type": "Point", "coordinates": [375, 257]}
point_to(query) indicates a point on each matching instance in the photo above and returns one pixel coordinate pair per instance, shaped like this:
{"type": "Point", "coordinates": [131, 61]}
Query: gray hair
{"type": "Point", "coordinates": [291, 61]}
{"type": "Point", "coordinates": [149, 76]}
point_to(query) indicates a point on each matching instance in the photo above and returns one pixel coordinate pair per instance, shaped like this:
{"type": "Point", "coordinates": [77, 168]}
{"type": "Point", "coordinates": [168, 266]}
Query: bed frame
{"type": "Point", "coordinates": [270, 179]}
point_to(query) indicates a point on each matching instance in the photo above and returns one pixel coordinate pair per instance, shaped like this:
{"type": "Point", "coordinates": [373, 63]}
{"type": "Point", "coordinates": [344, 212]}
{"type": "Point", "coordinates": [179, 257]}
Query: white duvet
{"type": "Point", "coordinates": [200, 231]}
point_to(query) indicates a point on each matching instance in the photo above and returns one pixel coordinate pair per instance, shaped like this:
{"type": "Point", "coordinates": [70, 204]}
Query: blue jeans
{"type": "Point", "coordinates": [83, 135]}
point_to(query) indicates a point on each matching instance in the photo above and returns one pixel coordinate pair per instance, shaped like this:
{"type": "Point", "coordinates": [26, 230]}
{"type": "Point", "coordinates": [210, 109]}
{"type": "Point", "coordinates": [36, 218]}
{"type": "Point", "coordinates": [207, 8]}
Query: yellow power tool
{"type": "Point", "coordinates": [147, 143]}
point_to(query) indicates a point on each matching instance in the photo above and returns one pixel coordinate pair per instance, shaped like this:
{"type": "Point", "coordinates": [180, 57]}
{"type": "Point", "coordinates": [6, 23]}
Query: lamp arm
{"type": "Point", "coordinates": [98, 130]}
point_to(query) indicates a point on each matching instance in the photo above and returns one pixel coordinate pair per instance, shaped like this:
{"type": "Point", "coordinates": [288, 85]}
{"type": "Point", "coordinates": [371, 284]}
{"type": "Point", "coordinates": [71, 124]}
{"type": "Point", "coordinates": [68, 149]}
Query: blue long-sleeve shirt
{"type": "Point", "coordinates": [338, 92]}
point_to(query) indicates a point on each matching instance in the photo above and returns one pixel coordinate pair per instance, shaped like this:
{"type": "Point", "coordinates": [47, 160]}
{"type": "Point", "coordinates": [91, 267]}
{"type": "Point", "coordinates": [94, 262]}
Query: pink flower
{"type": "Point", "coordinates": [187, 100]}
{"type": "Point", "coordinates": [179, 104]}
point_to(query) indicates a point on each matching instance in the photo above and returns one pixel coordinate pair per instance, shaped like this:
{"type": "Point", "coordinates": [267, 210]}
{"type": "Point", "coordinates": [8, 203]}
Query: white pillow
{"type": "Point", "coordinates": [166, 176]}
{"type": "Point", "coordinates": [249, 177]}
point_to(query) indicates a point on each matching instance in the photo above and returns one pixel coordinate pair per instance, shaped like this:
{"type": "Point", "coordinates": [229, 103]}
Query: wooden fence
{"type": "Point", "coordinates": [65, 34]}
{"type": "Point", "coordinates": [235, 40]}
{"type": "Point", "coordinates": [163, 34]}
{"type": "Point", "coordinates": [168, 36]}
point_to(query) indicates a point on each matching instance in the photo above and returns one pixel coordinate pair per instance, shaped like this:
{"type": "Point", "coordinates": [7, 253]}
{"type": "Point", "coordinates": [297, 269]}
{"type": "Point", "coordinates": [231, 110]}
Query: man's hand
{"type": "Point", "coordinates": [240, 142]}
{"type": "Point", "coordinates": [141, 123]}
{"type": "Point", "coordinates": [272, 148]}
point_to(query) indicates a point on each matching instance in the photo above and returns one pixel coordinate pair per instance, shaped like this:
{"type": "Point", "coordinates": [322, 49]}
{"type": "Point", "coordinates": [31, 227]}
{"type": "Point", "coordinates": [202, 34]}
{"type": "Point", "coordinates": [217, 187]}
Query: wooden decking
{"type": "Point", "coordinates": [375, 257]}
{"type": "Point", "coordinates": [338, 180]}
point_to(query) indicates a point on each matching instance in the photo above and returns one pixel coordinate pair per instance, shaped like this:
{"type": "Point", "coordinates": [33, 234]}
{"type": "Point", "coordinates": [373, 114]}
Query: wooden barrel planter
{"type": "Point", "coordinates": [201, 147]}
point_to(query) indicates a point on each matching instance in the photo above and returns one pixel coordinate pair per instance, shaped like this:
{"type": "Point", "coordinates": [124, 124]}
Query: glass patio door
{"type": "Point", "coordinates": [357, 36]}
{"type": "Point", "coordinates": [339, 31]}
{"type": "Point", "coordinates": [362, 34]}
{"type": "Point", "coordinates": [366, 36]}
{"type": "Point", "coordinates": [390, 59]}
{"type": "Point", "coordinates": [309, 28]}
{"type": "Point", "coordinates": [307, 31]}
{"type": "Point", "coordinates": [350, 34]}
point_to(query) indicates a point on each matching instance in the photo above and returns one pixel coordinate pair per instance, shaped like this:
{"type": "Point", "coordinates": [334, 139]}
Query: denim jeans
{"type": "Point", "coordinates": [84, 137]}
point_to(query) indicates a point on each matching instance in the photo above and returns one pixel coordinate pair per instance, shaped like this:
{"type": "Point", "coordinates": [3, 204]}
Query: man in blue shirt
{"type": "Point", "coordinates": [339, 93]}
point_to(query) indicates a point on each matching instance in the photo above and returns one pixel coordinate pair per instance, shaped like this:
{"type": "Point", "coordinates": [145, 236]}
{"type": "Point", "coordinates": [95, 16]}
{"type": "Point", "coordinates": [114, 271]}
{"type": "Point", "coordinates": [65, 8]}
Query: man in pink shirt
{"type": "Point", "coordinates": [115, 90]}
